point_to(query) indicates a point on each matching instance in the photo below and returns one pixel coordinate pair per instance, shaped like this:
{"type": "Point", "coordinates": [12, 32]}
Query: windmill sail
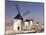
{"type": "Point", "coordinates": [17, 9]}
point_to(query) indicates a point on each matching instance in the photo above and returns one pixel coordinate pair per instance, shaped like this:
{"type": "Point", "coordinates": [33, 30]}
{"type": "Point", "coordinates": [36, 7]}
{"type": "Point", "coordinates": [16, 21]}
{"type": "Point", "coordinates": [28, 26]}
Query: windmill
{"type": "Point", "coordinates": [17, 21]}
{"type": "Point", "coordinates": [17, 26]}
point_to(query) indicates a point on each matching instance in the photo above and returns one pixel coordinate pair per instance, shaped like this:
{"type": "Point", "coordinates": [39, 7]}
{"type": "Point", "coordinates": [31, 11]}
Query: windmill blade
{"type": "Point", "coordinates": [17, 8]}
{"type": "Point", "coordinates": [26, 13]}
{"type": "Point", "coordinates": [19, 11]}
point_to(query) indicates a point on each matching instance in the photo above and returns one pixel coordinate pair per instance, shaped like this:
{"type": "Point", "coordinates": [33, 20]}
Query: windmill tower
{"type": "Point", "coordinates": [31, 20]}
{"type": "Point", "coordinates": [17, 21]}
{"type": "Point", "coordinates": [26, 22]}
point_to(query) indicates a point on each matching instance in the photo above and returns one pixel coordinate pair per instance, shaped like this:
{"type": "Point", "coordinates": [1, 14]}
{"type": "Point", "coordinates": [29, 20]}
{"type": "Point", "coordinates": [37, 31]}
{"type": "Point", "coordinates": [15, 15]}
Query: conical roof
{"type": "Point", "coordinates": [18, 17]}
{"type": "Point", "coordinates": [31, 20]}
{"type": "Point", "coordinates": [27, 20]}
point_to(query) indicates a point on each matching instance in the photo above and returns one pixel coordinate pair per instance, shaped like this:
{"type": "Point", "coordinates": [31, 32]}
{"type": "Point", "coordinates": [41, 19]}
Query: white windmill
{"type": "Point", "coordinates": [17, 21]}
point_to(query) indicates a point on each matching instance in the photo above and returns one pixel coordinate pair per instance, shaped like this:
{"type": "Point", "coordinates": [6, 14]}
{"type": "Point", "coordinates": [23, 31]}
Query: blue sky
{"type": "Point", "coordinates": [34, 10]}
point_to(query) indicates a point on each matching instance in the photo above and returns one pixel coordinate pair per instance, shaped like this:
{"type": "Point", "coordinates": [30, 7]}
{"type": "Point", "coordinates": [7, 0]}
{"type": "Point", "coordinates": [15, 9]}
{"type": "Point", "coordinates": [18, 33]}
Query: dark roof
{"type": "Point", "coordinates": [27, 20]}
{"type": "Point", "coordinates": [18, 17]}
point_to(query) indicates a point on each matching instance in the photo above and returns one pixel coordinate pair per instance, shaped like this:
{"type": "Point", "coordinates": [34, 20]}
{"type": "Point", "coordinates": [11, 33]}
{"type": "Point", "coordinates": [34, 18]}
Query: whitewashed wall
{"type": "Point", "coordinates": [16, 23]}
